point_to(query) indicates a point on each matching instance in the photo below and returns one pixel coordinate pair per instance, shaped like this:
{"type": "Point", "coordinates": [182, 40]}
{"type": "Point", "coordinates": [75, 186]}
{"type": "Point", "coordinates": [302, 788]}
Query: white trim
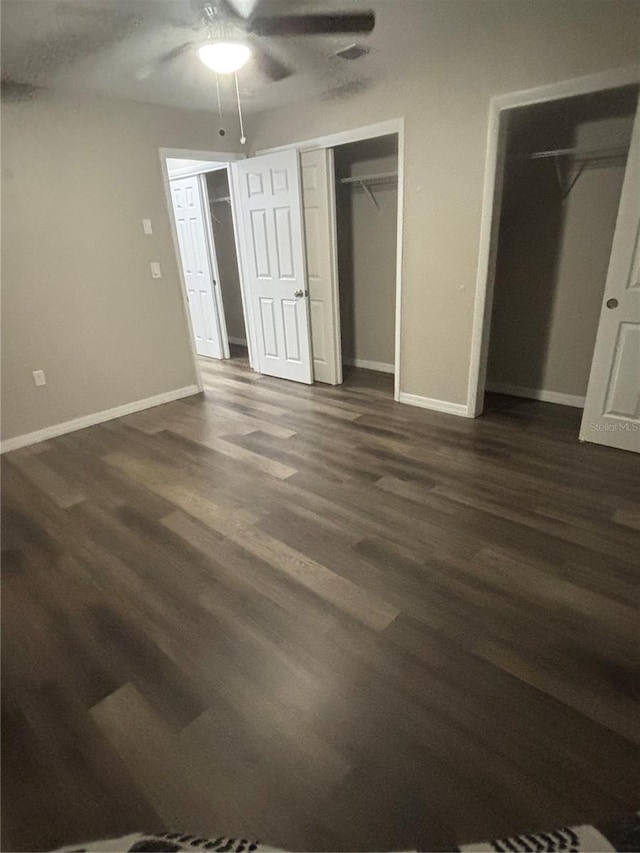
{"type": "Point", "coordinates": [212, 254]}
{"type": "Point", "coordinates": [536, 394]}
{"type": "Point", "coordinates": [96, 418]}
{"type": "Point", "coordinates": [358, 134]}
{"type": "Point", "coordinates": [184, 153]}
{"type": "Point", "coordinates": [399, 261]}
{"type": "Point", "coordinates": [335, 274]}
{"type": "Point", "coordinates": [612, 78]}
{"type": "Point", "coordinates": [190, 172]}
{"type": "Point", "coordinates": [445, 406]}
{"type": "Point", "coordinates": [380, 366]}
{"type": "Point", "coordinates": [487, 256]}
{"type": "Point", "coordinates": [493, 173]}
{"type": "Point", "coordinates": [245, 294]}
{"type": "Point", "coordinates": [240, 342]}
{"type": "Point", "coordinates": [221, 157]}
{"type": "Point", "coordinates": [305, 275]}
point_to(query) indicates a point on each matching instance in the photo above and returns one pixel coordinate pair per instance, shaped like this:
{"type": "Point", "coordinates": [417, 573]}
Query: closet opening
{"type": "Point", "coordinates": [200, 207]}
{"type": "Point", "coordinates": [564, 167]}
{"type": "Point", "coordinates": [321, 261]}
{"type": "Point", "coordinates": [366, 192]}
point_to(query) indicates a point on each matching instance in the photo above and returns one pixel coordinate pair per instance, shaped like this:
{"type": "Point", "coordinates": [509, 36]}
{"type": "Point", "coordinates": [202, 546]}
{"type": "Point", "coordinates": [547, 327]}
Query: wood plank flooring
{"type": "Point", "coordinates": [315, 617]}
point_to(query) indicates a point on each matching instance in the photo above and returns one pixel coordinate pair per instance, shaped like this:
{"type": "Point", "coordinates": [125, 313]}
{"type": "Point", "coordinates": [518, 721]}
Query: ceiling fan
{"type": "Point", "coordinates": [229, 39]}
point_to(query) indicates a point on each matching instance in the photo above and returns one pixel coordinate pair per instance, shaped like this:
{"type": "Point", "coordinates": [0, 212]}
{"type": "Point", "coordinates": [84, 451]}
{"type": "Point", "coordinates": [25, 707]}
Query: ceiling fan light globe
{"type": "Point", "coordinates": [224, 57]}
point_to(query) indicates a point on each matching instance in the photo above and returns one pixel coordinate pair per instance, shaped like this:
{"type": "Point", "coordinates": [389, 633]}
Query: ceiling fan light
{"type": "Point", "coordinates": [224, 57]}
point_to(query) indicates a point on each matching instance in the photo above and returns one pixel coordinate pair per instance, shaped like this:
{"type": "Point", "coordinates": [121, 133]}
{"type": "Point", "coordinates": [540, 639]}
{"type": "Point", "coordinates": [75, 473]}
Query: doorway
{"type": "Point", "coordinates": [564, 168]}
{"type": "Point", "coordinates": [557, 304]}
{"type": "Point", "coordinates": [352, 193]}
{"type": "Point", "coordinates": [199, 201]}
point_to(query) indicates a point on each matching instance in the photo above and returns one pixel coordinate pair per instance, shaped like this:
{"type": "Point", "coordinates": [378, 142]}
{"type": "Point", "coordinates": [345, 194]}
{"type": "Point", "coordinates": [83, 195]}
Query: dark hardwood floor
{"type": "Point", "coordinates": [315, 617]}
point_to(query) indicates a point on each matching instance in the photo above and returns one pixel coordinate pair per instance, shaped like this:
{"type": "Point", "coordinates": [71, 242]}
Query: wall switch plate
{"type": "Point", "coordinates": [146, 226]}
{"type": "Point", "coordinates": [39, 378]}
{"type": "Point", "coordinates": [155, 270]}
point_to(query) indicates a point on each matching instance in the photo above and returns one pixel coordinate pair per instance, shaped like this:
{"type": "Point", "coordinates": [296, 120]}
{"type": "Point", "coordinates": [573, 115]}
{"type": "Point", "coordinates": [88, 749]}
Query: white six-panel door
{"type": "Point", "coordinates": [191, 225]}
{"type": "Point", "coordinates": [612, 405]}
{"type": "Point", "coordinates": [318, 198]}
{"type": "Point", "coordinates": [273, 262]}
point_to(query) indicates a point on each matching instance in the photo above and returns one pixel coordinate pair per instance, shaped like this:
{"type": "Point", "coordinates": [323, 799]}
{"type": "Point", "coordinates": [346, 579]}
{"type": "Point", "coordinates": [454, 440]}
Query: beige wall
{"type": "Point", "coordinates": [218, 185]}
{"type": "Point", "coordinates": [552, 266]}
{"type": "Point", "coordinates": [77, 298]}
{"type": "Point", "coordinates": [450, 61]}
{"type": "Point", "coordinates": [367, 240]}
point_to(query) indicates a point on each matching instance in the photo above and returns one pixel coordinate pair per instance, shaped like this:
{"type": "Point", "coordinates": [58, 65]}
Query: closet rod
{"type": "Point", "coordinates": [580, 154]}
{"type": "Point", "coordinates": [218, 200]}
{"type": "Point", "coordinates": [369, 179]}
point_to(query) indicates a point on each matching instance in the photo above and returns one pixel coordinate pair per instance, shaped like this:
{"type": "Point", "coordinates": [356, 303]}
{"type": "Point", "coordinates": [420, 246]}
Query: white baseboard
{"type": "Point", "coordinates": [241, 342]}
{"type": "Point", "coordinates": [536, 394]}
{"type": "Point", "coordinates": [96, 418]}
{"type": "Point", "coordinates": [459, 409]}
{"type": "Point", "coordinates": [380, 366]}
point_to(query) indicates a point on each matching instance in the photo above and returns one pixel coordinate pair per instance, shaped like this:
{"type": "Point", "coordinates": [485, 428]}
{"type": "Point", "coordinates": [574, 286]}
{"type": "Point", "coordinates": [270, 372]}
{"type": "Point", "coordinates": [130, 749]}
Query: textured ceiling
{"type": "Point", "coordinates": [113, 47]}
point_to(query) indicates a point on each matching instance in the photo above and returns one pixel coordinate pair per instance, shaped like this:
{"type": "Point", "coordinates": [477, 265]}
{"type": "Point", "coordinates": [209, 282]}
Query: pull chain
{"type": "Point", "coordinates": [243, 138]}
{"type": "Point", "coordinates": [222, 130]}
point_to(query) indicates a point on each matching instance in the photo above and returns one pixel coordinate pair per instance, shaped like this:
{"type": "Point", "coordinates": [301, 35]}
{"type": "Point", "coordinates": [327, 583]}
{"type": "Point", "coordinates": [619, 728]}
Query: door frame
{"type": "Point", "coordinates": [499, 106]}
{"type": "Point", "coordinates": [225, 158]}
{"type": "Point", "coordinates": [212, 254]}
{"type": "Point", "coordinates": [359, 134]}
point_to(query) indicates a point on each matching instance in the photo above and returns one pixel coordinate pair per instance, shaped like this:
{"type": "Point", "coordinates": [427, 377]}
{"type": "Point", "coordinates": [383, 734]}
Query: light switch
{"type": "Point", "coordinates": [39, 377]}
{"type": "Point", "coordinates": [155, 270]}
{"type": "Point", "coordinates": [146, 226]}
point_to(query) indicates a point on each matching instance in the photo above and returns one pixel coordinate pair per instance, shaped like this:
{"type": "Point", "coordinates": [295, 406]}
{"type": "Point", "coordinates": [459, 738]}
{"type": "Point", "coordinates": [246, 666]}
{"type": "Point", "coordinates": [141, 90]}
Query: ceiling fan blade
{"type": "Point", "coordinates": [267, 63]}
{"type": "Point", "coordinates": [221, 11]}
{"type": "Point", "coordinates": [174, 53]}
{"type": "Point", "coordinates": [312, 25]}
{"type": "Point", "coordinates": [151, 68]}
{"type": "Point", "coordinates": [229, 10]}
{"type": "Point", "coordinates": [14, 90]}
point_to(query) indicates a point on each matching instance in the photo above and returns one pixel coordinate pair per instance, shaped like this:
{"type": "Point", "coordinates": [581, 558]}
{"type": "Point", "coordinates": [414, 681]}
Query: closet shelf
{"type": "Point", "coordinates": [366, 181]}
{"type": "Point", "coordinates": [381, 177]}
{"type": "Point", "coordinates": [226, 198]}
{"type": "Point", "coordinates": [577, 160]}
{"type": "Point", "coordinates": [581, 155]}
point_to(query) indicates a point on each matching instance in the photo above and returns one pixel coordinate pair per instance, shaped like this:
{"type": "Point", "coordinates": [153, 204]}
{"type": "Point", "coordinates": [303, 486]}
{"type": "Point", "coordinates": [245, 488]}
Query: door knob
{"type": "Point", "coordinates": [612, 303]}
{"type": "Point", "coordinates": [298, 293]}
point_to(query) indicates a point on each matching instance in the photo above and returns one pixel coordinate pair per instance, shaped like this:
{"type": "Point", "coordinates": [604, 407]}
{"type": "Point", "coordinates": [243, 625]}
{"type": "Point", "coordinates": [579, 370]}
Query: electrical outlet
{"type": "Point", "coordinates": [155, 270]}
{"type": "Point", "coordinates": [146, 226]}
{"type": "Point", "coordinates": [39, 378]}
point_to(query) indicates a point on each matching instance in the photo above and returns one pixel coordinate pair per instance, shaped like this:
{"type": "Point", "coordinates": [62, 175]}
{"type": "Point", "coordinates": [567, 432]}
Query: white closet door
{"type": "Point", "coordinates": [318, 198]}
{"type": "Point", "coordinates": [273, 261]}
{"type": "Point", "coordinates": [191, 225]}
{"type": "Point", "coordinates": [612, 405]}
